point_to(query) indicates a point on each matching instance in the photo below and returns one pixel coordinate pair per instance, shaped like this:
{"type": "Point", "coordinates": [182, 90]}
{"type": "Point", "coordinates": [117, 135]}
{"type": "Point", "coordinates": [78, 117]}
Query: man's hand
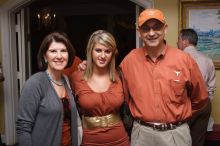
{"type": "Point", "coordinates": [82, 66]}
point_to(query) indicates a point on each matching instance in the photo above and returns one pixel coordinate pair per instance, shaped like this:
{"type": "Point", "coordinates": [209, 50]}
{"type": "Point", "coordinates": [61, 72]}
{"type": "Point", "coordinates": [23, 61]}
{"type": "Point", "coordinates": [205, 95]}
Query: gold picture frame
{"type": "Point", "coordinates": [204, 17]}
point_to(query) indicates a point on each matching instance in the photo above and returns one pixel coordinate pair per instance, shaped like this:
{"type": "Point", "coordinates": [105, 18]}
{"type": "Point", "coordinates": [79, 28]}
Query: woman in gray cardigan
{"type": "Point", "coordinates": [47, 111]}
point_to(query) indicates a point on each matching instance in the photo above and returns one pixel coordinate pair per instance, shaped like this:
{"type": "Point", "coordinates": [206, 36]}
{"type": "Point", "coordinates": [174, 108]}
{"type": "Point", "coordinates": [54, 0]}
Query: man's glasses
{"type": "Point", "coordinates": [156, 27]}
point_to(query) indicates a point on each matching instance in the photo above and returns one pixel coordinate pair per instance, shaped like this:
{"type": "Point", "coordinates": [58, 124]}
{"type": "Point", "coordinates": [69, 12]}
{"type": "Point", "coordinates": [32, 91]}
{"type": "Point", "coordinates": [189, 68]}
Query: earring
{"type": "Point", "coordinates": [45, 60]}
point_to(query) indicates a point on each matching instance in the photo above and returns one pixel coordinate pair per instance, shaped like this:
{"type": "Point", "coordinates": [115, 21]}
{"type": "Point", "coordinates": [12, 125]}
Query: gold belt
{"type": "Point", "coordinates": [100, 121]}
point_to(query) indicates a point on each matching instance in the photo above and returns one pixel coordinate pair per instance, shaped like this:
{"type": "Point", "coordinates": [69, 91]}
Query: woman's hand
{"type": "Point", "coordinates": [82, 66]}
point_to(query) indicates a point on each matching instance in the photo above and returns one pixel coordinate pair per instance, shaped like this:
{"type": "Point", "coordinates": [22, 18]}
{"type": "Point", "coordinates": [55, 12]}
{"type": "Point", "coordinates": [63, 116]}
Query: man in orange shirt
{"type": "Point", "coordinates": [165, 86]}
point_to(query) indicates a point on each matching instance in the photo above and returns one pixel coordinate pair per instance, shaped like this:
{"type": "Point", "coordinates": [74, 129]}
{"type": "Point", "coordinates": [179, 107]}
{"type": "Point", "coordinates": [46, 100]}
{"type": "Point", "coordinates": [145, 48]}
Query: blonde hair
{"type": "Point", "coordinates": [106, 39]}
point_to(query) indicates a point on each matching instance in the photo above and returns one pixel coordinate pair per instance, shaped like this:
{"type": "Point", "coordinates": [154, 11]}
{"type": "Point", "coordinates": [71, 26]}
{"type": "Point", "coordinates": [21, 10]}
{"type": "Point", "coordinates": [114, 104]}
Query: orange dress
{"type": "Point", "coordinates": [100, 104]}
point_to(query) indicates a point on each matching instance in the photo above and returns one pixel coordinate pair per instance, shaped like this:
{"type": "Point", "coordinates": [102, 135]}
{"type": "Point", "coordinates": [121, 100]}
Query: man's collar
{"type": "Point", "coordinates": [162, 53]}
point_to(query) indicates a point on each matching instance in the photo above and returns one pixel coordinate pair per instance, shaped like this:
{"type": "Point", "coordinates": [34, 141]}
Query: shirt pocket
{"type": "Point", "coordinates": [178, 89]}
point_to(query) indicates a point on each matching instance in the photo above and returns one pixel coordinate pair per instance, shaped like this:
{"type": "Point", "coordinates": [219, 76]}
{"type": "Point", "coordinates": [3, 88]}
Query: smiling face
{"type": "Point", "coordinates": [100, 52]}
{"type": "Point", "coordinates": [101, 56]}
{"type": "Point", "coordinates": [56, 56]}
{"type": "Point", "coordinates": [152, 33]}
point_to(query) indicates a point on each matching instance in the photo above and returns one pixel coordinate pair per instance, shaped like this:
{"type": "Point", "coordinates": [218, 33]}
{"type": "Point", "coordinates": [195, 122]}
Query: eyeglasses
{"type": "Point", "coordinates": [156, 27]}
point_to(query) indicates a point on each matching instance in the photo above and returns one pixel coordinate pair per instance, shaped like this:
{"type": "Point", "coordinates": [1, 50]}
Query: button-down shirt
{"type": "Point", "coordinates": [206, 67]}
{"type": "Point", "coordinates": [167, 90]}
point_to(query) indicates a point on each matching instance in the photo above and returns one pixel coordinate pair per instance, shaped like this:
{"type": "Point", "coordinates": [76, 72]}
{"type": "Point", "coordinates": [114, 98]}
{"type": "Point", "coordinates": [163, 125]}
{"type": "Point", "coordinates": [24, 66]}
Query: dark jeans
{"type": "Point", "coordinates": [198, 125]}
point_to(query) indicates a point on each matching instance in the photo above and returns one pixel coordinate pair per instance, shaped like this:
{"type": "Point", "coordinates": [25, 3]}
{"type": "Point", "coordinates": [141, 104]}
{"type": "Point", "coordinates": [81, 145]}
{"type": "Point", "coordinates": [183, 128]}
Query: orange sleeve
{"type": "Point", "coordinates": [73, 67]}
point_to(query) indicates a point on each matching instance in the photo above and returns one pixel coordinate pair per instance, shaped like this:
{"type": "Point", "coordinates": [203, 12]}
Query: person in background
{"type": "Point", "coordinates": [47, 114]}
{"type": "Point", "coordinates": [74, 67]}
{"type": "Point", "coordinates": [187, 41]}
{"type": "Point", "coordinates": [99, 94]}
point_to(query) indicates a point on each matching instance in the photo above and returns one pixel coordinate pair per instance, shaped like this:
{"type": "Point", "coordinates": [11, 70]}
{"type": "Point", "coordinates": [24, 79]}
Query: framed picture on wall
{"type": "Point", "coordinates": [204, 17]}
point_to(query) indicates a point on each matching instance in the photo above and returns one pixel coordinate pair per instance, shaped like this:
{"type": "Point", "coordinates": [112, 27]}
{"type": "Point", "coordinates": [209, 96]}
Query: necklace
{"type": "Point", "coordinates": [53, 81]}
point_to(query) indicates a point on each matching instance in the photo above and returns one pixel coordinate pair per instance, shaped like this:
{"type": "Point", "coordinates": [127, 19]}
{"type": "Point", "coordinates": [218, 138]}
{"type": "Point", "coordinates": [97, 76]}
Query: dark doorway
{"type": "Point", "coordinates": [79, 18]}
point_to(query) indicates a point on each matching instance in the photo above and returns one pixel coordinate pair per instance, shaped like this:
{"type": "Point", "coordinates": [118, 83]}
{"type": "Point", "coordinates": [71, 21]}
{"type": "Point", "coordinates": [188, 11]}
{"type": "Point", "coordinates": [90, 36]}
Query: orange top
{"type": "Point", "coordinates": [73, 67]}
{"type": "Point", "coordinates": [93, 103]}
{"type": "Point", "coordinates": [167, 90]}
{"type": "Point", "coordinates": [100, 104]}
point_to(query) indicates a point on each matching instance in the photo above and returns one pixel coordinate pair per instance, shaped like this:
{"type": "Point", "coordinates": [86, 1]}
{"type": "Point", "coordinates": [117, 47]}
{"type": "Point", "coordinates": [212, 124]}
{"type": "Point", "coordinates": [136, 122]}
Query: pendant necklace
{"type": "Point", "coordinates": [53, 81]}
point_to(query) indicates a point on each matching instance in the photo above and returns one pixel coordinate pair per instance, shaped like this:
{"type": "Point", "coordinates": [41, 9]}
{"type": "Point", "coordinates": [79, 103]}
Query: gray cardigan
{"type": "Point", "coordinates": [40, 115]}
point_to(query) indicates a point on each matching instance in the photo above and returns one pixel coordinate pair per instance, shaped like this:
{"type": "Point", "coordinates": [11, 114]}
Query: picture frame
{"type": "Point", "coordinates": [204, 17]}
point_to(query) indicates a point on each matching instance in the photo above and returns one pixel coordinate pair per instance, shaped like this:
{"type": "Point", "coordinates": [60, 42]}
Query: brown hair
{"type": "Point", "coordinates": [54, 37]}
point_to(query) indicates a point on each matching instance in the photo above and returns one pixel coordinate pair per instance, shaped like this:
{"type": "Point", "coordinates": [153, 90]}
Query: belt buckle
{"type": "Point", "coordinates": [162, 127]}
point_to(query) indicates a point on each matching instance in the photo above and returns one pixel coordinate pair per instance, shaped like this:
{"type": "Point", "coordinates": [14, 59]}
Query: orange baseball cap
{"type": "Point", "coordinates": [148, 14]}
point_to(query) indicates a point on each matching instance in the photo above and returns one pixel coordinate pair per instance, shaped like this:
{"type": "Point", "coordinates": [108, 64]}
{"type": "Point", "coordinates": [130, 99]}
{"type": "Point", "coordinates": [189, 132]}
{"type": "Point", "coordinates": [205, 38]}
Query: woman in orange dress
{"type": "Point", "coordinates": [99, 94]}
